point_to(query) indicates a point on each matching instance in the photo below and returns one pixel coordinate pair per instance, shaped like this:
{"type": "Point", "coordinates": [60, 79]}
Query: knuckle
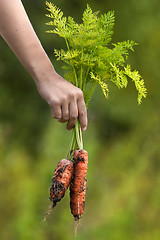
{"type": "Point", "coordinates": [72, 95]}
{"type": "Point", "coordinates": [80, 93]}
{"type": "Point", "coordinates": [57, 116]}
{"type": "Point", "coordinates": [82, 113]}
{"type": "Point", "coordinates": [65, 117]}
{"type": "Point", "coordinates": [55, 102]}
{"type": "Point", "coordinates": [63, 99]}
{"type": "Point", "coordinates": [74, 117]}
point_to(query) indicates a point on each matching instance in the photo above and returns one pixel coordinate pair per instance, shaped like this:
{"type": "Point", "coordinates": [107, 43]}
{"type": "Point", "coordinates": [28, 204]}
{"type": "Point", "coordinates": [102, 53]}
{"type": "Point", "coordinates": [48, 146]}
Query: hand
{"type": "Point", "coordinates": [66, 101]}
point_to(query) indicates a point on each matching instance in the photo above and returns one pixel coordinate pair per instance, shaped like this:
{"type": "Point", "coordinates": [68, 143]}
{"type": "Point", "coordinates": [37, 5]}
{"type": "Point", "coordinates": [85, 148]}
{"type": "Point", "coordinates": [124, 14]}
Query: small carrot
{"type": "Point", "coordinates": [78, 183]}
{"type": "Point", "coordinates": [60, 182]}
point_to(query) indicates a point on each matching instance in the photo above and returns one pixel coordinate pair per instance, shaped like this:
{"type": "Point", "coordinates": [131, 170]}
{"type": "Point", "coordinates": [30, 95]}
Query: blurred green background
{"type": "Point", "coordinates": [122, 139]}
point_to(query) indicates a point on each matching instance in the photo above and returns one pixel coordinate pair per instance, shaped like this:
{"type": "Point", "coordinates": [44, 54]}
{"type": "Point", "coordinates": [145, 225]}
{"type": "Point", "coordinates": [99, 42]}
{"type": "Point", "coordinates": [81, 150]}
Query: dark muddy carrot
{"type": "Point", "coordinates": [60, 182]}
{"type": "Point", "coordinates": [78, 183]}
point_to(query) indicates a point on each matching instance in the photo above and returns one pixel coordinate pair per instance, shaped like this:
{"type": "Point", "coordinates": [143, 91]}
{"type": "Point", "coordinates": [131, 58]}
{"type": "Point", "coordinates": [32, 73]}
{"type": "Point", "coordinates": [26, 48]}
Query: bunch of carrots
{"type": "Point", "coordinates": [90, 60]}
{"type": "Point", "coordinates": [73, 174]}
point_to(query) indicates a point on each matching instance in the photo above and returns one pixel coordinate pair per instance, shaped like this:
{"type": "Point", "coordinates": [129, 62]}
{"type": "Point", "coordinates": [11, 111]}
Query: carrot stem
{"type": "Point", "coordinates": [78, 138]}
{"type": "Point", "coordinates": [76, 79]}
{"type": "Point", "coordinates": [81, 72]}
{"type": "Point", "coordinates": [71, 146]}
{"type": "Point", "coordinates": [80, 135]}
{"type": "Point", "coordinates": [85, 79]}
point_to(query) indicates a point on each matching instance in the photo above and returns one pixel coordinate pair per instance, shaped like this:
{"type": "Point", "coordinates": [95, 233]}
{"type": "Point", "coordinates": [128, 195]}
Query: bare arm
{"type": "Point", "coordinates": [65, 100]}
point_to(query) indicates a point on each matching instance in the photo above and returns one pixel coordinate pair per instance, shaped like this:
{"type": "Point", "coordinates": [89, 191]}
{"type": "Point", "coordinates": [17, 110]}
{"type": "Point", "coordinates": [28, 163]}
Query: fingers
{"type": "Point", "coordinates": [82, 113]}
{"type": "Point", "coordinates": [70, 110]}
{"type": "Point", "coordinates": [56, 111]}
{"type": "Point", "coordinates": [73, 110]}
{"type": "Point", "coordinates": [65, 112]}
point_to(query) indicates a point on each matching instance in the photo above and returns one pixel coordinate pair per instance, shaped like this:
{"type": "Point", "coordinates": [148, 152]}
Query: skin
{"type": "Point", "coordinates": [66, 101]}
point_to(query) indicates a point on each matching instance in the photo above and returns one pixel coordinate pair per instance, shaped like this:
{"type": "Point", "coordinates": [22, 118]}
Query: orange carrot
{"type": "Point", "coordinates": [78, 183]}
{"type": "Point", "coordinates": [60, 182]}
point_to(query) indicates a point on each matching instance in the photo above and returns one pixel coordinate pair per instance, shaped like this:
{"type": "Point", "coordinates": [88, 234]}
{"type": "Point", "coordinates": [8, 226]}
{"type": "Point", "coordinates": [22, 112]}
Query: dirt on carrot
{"type": "Point", "coordinates": [60, 182]}
{"type": "Point", "coordinates": [78, 184]}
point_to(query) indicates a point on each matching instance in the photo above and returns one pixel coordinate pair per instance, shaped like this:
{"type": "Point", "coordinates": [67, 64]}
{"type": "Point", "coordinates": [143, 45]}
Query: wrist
{"type": "Point", "coordinates": [41, 68]}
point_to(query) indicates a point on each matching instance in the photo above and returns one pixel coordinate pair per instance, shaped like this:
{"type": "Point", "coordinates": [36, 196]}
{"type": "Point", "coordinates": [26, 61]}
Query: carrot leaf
{"type": "Point", "coordinates": [91, 58]}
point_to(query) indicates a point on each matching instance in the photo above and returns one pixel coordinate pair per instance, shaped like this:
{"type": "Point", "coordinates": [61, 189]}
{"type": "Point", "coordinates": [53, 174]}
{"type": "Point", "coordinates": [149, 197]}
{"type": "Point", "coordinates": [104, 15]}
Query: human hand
{"type": "Point", "coordinates": [66, 101]}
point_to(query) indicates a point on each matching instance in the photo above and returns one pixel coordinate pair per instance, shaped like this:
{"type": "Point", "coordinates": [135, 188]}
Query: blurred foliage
{"type": "Point", "coordinates": [123, 197]}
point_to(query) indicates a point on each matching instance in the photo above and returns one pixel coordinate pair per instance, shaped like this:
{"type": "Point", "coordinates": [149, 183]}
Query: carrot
{"type": "Point", "coordinates": [78, 183]}
{"type": "Point", "coordinates": [60, 182]}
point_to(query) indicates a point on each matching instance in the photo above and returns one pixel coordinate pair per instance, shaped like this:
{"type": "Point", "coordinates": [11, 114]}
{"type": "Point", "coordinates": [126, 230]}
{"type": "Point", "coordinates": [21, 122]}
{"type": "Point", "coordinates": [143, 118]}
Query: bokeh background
{"type": "Point", "coordinates": [122, 139]}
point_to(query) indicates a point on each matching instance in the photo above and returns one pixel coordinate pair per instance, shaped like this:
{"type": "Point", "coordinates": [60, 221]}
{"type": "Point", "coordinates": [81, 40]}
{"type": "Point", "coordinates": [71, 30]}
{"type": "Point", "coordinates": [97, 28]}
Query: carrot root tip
{"type": "Point", "coordinates": [50, 210]}
{"type": "Point", "coordinates": [76, 227]}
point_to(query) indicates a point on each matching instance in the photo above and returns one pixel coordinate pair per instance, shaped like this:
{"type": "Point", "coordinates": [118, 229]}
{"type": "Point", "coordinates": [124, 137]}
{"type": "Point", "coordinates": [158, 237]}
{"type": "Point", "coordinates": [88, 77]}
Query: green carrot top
{"type": "Point", "coordinates": [90, 57]}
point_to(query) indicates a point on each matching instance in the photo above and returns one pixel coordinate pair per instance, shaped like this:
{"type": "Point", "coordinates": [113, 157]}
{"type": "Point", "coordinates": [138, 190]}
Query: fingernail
{"type": "Point", "coordinates": [84, 129]}
{"type": "Point", "coordinates": [68, 128]}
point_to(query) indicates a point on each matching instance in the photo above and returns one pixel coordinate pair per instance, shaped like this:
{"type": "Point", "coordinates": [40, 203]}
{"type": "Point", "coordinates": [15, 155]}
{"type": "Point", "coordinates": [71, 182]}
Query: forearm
{"type": "Point", "coordinates": [18, 32]}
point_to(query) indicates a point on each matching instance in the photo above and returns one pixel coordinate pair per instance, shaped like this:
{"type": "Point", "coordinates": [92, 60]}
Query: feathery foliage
{"type": "Point", "coordinates": [89, 58]}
